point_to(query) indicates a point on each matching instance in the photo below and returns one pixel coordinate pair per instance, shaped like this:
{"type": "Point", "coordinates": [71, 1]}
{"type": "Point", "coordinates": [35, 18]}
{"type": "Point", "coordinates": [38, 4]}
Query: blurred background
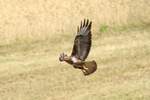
{"type": "Point", "coordinates": [30, 19]}
{"type": "Point", "coordinates": [34, 32]}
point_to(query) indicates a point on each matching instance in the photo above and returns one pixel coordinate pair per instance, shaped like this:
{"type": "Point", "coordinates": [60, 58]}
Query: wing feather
{"type": "Point", "coordinates": [82, 42]}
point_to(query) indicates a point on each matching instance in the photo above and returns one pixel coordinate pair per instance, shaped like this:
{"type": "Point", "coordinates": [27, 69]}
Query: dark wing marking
{"type": "Point", "coordinates": [82, 42]}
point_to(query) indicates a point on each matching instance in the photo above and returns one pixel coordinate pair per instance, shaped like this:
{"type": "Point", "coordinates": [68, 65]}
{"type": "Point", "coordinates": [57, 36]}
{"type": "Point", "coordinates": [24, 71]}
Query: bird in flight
{"type": "Point", "coordinates": [81, 49]}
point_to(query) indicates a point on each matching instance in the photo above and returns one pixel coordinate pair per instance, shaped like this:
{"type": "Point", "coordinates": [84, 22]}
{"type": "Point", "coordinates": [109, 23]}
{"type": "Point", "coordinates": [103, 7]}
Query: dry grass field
{"type": "Point", "coordinates": [33, 34]}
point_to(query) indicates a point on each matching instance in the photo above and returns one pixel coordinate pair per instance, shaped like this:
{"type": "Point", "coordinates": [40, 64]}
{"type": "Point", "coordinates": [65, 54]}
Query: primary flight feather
{"type": "Point", "coordinates": [82, 42]}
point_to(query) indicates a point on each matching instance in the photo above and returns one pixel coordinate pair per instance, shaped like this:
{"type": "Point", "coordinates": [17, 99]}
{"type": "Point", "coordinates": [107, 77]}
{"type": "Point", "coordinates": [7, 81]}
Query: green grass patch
{"type": "Point", "coordinates": [103, 28]}
{"type": "Point", "coordinates": [124, 28]}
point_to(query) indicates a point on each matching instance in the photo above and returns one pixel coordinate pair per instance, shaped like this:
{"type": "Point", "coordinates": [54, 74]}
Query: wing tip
{"type": "Point", "coordinates": [86, 23]}
{"type": "Point", "coordinates": [90, 25]}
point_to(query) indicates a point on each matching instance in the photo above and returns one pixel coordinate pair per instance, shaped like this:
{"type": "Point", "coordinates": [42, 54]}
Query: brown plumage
{"type": "Point", "coordinates": [81, 49]}
{"type": "Point", "coordinates": [82, 42]}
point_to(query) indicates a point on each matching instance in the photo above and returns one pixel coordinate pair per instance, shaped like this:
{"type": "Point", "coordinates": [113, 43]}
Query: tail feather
{"type": "Point", "coordinates": [89, 67]}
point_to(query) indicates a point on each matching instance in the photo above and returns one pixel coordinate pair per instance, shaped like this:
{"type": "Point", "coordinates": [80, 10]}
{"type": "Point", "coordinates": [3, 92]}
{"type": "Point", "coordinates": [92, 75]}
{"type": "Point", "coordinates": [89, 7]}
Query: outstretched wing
{"type": "Point", "coordinates": [82, 42]}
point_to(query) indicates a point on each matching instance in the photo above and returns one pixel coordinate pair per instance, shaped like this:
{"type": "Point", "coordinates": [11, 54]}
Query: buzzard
{"type": "Point", "coordinates": [81, 49]}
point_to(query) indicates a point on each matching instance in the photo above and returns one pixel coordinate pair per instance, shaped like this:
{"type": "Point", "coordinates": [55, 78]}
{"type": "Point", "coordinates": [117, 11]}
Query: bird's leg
{"type": "Point", "coordinates": [84, 71]}
{"type": "Point", "coordinates": [81, 65]}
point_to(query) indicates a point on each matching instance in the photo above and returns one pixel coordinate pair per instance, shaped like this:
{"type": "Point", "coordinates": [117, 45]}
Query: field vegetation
{"type": "Point", "coordinates": [34, 32]}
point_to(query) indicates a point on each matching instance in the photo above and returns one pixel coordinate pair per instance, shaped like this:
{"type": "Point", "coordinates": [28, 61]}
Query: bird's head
{"type": "Point", "coordinates": [63, 57]}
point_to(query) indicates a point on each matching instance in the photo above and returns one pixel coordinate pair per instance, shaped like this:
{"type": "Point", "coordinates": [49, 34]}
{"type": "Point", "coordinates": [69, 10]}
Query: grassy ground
{"type": "Point", "coordinates": [31, 71]}
{"type": "Point", "coordinates": [32, 19]}
{"type": "Point", "coordinates": [34, 32]}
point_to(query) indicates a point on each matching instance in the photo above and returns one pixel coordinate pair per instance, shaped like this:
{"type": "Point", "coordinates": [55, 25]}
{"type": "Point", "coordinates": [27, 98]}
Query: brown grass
{"type": "Point", "coordinates": [32, 19]}
{"type": "Point", "coordinates": [33, 34]}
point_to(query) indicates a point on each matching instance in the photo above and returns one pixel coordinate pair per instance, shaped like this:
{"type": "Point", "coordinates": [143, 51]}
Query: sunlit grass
{"type": "Point", "coordinates": [33, 34]}
{"type": "Point", "coordinates": [33, 70]}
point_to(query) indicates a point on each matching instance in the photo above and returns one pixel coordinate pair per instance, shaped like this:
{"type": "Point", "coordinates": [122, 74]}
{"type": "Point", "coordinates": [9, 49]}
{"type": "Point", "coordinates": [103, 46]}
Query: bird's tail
{"type": "Point", "coordinates": [89, 67]}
